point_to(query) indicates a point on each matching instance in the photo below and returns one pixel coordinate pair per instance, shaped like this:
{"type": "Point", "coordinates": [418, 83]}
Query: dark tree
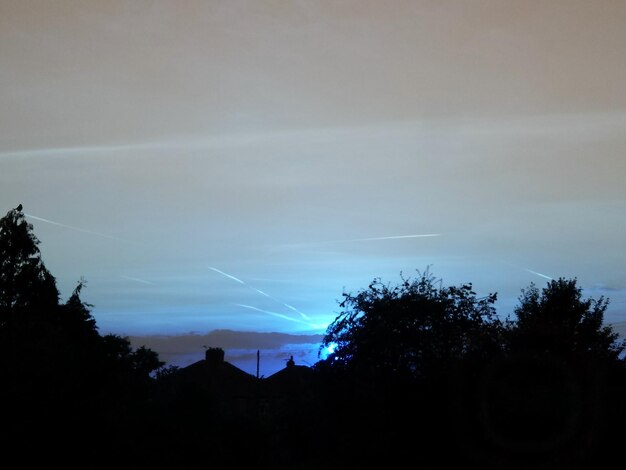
{"type": "Point", "coordinates": [411, 328]}
{"type": "Point", "coordinates": [397, 351]}
{"type": "Point", "coordinates": [54, 365]}
{"type": "Point", "coordinates": [75, 316]}
{"type": "Point", "coordinates": [30, 300]}
{"type": "Point", "coordinates": [119, 353]}
{"type": "Point", "coordinates": [24, 280]}
{"type": "Point", "coordinates": [560, 321]}
{"type": "Point", "coordinates": [547, 402]}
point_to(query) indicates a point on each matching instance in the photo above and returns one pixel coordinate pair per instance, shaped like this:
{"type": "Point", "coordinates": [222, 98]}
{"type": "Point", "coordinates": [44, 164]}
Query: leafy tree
{"type": "Point", "coordinates": [558, 320]}
{"type": "Point", "coordinates": [167, 372]}
{"type": "Point", "coordinates": [546, 400]}
{"type": "Point", "coordinates": [398, 349]}
{"type": "Point", "coordinates": [51, 355]}
{"type": "Point", "coordinates": [24, 280]}
{"type": "Point", "coordinates": [119, 354]}
{"type": "Point", "coordinates": [412, 328]}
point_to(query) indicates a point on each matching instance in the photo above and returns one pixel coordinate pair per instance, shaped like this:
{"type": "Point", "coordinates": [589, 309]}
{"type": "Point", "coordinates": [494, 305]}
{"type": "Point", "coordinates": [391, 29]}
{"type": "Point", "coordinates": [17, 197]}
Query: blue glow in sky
{"type": "Point", "coordinates": [328, 350]}
{"type": "Point", "coordinates": [239, 164]}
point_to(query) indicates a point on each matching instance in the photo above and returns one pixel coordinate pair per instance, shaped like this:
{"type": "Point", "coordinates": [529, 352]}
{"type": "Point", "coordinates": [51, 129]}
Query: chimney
{"type": "Point", "coordinates": [214, 356]}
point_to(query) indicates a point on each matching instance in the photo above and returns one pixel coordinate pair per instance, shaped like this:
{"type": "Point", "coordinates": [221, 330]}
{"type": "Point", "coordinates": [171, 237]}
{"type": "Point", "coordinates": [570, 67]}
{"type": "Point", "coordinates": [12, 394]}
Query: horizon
{"type": "Point", "coordinates": [239, 165]}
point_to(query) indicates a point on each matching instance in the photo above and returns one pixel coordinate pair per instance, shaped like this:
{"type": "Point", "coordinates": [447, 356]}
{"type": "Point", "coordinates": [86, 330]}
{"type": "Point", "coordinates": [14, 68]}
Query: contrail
{"type": "Point", "coordinates": [136, 279]}
{"type": "Point", "coordinates": [78, 229]}
{"type": "Point", "coordinates": [571, 122]}
{"type": "Point", "coordinates": [371, 239]}
{"type": "Point", "coordinates": [539, 274]}
{"type": "Point", "coordinates": [228, 276]}
{"type": "Point", "coordinates": [528, 270]}
{"type": "Point", "coordinates": [303, 315]}
{"type": "Point", "coordinates": [394, 237]}
{"type": "Point", "coordinates": [259, 291]}
{"type": "Point", "coordinates": [41, 152]}
{"type": "Point", "coordinates": [236, 140]}
{"type": "Point", "coordinates": [279, 315]}
{"type": "Point", "coordinates": [263, 293]}
{"type": "Point", "coordinates": [290, 307]}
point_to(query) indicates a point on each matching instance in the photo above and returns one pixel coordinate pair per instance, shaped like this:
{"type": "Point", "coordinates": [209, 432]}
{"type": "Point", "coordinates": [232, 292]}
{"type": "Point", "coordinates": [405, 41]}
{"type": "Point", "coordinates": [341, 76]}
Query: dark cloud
{"type": "Point", "coordinates": [240, 348]}
{"type": "Point", "coordinates": [225, 339]}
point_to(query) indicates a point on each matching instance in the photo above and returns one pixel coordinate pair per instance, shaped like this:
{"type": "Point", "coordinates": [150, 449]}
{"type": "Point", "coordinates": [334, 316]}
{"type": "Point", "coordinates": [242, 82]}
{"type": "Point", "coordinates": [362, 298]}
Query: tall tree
{"type": "Point", "coordinates": [44, 341]}
{"type": "Point", "coordinates": [24, 280]}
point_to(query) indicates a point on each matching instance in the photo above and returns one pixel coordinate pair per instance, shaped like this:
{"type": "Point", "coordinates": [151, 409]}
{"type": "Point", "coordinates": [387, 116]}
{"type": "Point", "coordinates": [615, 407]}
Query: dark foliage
{"type": "Point", "coordinates": [430, 371]}
{"type": "Point", "coordinates": [559, 321]}
{"type": "Point", "coordinates": [54, 365]}
{"type": "Point", "coordinates": [423, 376]}
{"type": "Point", "coordinates": [24, 280]}
{"type": "Point", "coordinates": [414, 329]}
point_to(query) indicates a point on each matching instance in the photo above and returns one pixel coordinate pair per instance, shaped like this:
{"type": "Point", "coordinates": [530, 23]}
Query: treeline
{"type": "Point", "coordinates": [422, 376]}
{"type": "Point", "coordinates": [443, 379]}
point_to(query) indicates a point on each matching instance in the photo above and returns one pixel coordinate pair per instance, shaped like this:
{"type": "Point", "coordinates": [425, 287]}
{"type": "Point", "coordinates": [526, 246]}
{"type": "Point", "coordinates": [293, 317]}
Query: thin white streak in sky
{"type": "Point", "coordinates": [263, 293]}
{"type": "Point", "coordinates": [278, 315]}
{"type": "Point", "coordinates": [303, 315]}
{"type": "Point", "coordinates": [228, 276]}
{"type": "Point", "coordinates": [136, 279]}
{"type": "Point", "coordinates": [394, 237]}
{"type": "Point", "coordinates": [539, 274]}
{"type": "Point", "coordinates": [528, 271]}
{"type": "Point", "coordinates": [290, 307]}
{"type": "Point", "coordinates": [545, 123]}
{"type": "Point", "coordinates": [78, 229]}
{"type": "Point", "coordinates": [354, 240]}
{"type": "Point", "coordinates": [194, 143]}
{"type": "Point", "coordinates": [67, 151]}
{"type": "Point", "coordinates": [259, 291]}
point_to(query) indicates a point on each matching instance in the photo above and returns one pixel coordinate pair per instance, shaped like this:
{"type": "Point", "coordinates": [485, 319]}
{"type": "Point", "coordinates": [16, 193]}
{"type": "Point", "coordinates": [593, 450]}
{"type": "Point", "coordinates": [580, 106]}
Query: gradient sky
{"type": "Point", "coordinates": [277, 141]}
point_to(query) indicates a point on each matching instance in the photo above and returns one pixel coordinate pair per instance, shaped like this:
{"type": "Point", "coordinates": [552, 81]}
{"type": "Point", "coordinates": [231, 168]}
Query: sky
{"type": "Point", "coordinates": [237, 165]}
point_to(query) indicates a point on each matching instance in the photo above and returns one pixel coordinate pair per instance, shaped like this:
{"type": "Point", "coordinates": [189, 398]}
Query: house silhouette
{"type": "Point", "coordinates": [234, 391]}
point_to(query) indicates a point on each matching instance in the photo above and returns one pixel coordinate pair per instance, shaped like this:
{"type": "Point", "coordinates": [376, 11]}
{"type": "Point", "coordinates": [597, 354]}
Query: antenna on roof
{"type": "Point", "coordinates": [258, 358]}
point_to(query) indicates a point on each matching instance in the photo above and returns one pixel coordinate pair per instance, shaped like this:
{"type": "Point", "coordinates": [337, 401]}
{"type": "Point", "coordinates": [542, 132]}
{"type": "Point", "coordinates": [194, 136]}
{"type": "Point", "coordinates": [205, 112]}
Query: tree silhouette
{"type": "Point", "coordinates": [75, 316]}
{"type": "Point", "coordinates": [413, 328]}
{"type": "Point", "coordinates": [545, 402]}
{"type": "Point", "coordinates": [24, 280]}
{"type": "Point", "coordinates": [559, 320]}
{"type": "Point", "coordinates": [30, 300]}
{"type": "Point", "coordinates": [119, 354]}
{"type": "Point", "coordinates": [396, 349]}
{"type": "Point", "coordinates": [54, 364]}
